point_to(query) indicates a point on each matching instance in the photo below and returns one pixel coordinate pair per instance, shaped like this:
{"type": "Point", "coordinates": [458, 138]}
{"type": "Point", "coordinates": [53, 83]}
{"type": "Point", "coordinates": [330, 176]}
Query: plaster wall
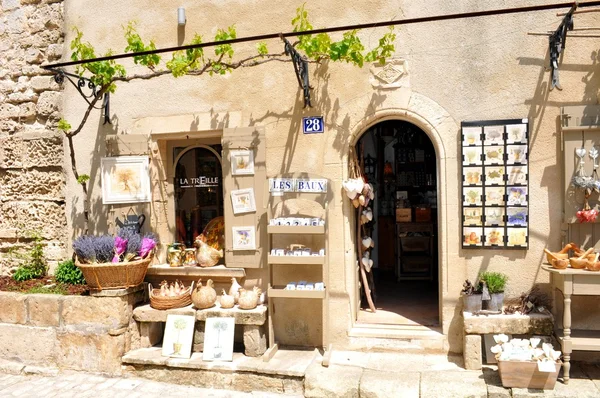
{"type": "Point", "coordinates": [472, 69]}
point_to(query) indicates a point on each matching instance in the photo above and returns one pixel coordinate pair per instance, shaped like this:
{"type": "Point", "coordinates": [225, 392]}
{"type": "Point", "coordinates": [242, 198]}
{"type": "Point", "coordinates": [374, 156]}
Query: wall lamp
{"type": "Point", "coordinates": [181, 16]}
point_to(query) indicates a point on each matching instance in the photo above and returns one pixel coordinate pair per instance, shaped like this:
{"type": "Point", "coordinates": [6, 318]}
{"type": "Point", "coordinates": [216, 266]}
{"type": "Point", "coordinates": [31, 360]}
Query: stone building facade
{"type": "Point", "coordinates": [32, 181]}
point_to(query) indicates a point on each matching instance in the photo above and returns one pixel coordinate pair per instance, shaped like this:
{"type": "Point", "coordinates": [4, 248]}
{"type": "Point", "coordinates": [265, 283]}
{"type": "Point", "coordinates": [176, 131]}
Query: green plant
{"type": "Point", "coordinates": [47, 290]}
{"type": "Point", "coordinates": [33, 262]}
{"type": "Point", "coordinates": [495, 281]}
{"type": "Point", "coordinates": [67, 272]}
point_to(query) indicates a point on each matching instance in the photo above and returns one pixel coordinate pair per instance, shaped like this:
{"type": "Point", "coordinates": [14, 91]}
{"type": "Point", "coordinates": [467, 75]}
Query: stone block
{"type": "Point", "coordinates": [375, 384]}
{"type": "Point", "coordinates": [541, 324]}
{"type": "Point", "coordinates": [33, 56]}
{"type": "Point", "coordinates": [145, 313]}
{"type": "Point", "coordinates": [13, 308]}
{"type": "Point", "coordinates": [17, 98]}
{"type": "Point", "coordinates": [54, 51]}
{"type": "Point", "coordinates": [27, 111]}
{"type": "Point", "coordinates": [32, 184]}
{"type": "Point", "coordinates": [28, 344]}
{"type": "Point", "coordinates": [99, 313]}
{"type": "Point", "coordinates": [256, 316]}
{"type": "Point", "coordinates": [151, 333]}
{"type": "Point", "coordinates": [453, 384]}
{"type": "Point", "coordinates": [334, 381]}
{"type": "Point", "coordinates": [9, 111]}
{"type": "Point", "coordinates": [255, 340]}
{"type": "Point", "coordinates": [47, 217]}
{"type": "Point", "coordinates": [8, 5]}
{"type": "Point", "coordinates": [472, 351]}
{"type": "Point", "coordinates": [11, 367]}
{"type": "Point", "coordinates": [44, 309]}
{"type": "Point", "coordinates": [198, 345]}
{"type": "Point", "coordinates": [42, 83]}
{"type": "Point", "coordinates": [48, 102]}
{"type": "Point", "coordinates": [90, 352]}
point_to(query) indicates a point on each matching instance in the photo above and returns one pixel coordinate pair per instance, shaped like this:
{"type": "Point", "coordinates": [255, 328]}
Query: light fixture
{"type": "Point", "coordinates": [181, 16]}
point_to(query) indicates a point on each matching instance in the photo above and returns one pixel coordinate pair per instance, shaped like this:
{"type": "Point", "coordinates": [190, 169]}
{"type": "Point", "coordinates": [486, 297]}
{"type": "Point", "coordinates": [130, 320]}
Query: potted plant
{"type": "Point", "coordinates": [472, 297]}
{"type": "Point", "coordinates": [495, 283]}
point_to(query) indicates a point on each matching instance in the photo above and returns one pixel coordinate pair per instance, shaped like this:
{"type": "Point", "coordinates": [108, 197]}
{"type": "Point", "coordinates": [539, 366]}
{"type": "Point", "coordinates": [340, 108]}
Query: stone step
{"type": "Point", "coordinates": [396, 338]}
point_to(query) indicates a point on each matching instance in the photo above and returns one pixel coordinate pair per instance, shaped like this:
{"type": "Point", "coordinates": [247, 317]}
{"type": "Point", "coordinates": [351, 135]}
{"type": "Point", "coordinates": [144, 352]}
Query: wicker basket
{"type": "Point", "coordinates": [114, 275]}
{"type": "Point", "coordinates": [167, 303]}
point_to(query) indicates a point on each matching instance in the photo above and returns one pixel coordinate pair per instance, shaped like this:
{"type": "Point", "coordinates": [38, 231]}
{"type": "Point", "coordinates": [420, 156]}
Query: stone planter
{"type": "Point", "coordinates": [472, 303]}
{"type": "Point", "coordinates": [495, 303]}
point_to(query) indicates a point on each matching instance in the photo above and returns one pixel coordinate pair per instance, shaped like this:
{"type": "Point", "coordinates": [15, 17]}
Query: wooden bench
{"type": "Point", "coordinates": [252, 321]}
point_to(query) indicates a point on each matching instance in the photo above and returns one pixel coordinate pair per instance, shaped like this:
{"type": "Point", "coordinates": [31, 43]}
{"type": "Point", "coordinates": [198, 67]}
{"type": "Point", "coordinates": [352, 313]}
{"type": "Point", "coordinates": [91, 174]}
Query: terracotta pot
{"type": "Point", "coordinates": [560, 264]}
{"type": "Point", "coordinates": [577, 263]}
{"type": "Point", "coordinates": [249, 298]}
{"type": "Point", "coordinates": [226, 300]}
{"type": "Point", "coordinates": [204, 296]}
{"type": "Point", "coordinates": [563, 256]}
{"type": "Point", "coordinates": [593, 266]}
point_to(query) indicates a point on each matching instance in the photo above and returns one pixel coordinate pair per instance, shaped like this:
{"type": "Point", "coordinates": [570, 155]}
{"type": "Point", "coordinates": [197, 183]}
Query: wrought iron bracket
{"type": "Point", "coordinates": [301, 68]}
{"type": "Point", "coordinates": [557, 43]}
{"type": "Point", "coordinates": [91, 92]}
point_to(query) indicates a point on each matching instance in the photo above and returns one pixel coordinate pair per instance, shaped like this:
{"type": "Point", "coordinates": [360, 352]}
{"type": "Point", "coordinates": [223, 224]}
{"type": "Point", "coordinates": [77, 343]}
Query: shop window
{"type": "Point", "coordinates": [198, 190]}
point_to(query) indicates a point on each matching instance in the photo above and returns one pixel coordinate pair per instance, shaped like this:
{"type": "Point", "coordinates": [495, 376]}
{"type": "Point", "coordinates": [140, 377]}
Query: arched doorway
{"type": "Point", "coordinates": [400, 160]}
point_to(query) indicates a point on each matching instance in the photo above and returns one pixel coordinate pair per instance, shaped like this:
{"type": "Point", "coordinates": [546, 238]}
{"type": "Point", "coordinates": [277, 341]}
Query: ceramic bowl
{"type": "Point", "coordinates": [562, 256]}
{"type": "Point", "coordinates": [593, 266]}
{"type": "Point", "coordinates": [560, 264]}
{"type": "Point", "coordinates": [577, 263]}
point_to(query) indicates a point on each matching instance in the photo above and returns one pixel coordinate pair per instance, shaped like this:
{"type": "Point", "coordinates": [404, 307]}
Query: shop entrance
{"type": "Point", "coordinates": [399, 159]}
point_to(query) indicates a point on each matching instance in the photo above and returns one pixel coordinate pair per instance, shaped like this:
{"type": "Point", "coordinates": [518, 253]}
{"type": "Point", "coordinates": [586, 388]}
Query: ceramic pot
{"type": "Point", "coordinates": [249, 298]}
{"type": "Point", "coordinates": [472, 303]}
{"type": "Point", "coordinates": [204, 296]}
{"type": "Point", "coordinates": [226, 300]}
{"type": "Point", "coordinates": [495, 302]}
{"type": "Point", "coordinates": [234, 290]}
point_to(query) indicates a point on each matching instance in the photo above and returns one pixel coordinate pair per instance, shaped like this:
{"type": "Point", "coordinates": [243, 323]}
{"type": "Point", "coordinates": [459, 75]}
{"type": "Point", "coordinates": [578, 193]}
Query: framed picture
{"type": "Point", "coordinates": [516, 196]}
{"type": "Point", "coordinates": [516, 216]}
{"type": "Point", "coordinates": [494, 196]}
{"type": "Point", "coordinates": [179, 333]}
{"type": "Point", "coordinates": [472, 236]}
{"type": "Point", "coordinates": [472, 156]}
{"type": "Point", "coordinates": [472, 216]}
{"type": "Point", "coordinates": [517, 175]}
{"type": "Point", "coordinates": [494, 216]}
{"type": "Point", "coordinates": [242, 162]}
{"type": "Point", "coordinates": [494, 236]}
{"type": "Point", "coordinates": [125, 179]}
{"type": "Point", "coordinates": [472, 175]}
{"type": "Point", "coordinates": [516, 154]}
{"type": "Point", "coordinates": [471, 135]}
{"type": "Point", "coordinates": [242, 201]}
{"type": "Point", "coordinates": [472, 196]}
{"type": "Point", "coordinates": [517, 237]}
{"type": "Point", "coordinates": [494, 175]}
{"type": "Point", "coordinates": [244, 238]}
{"type": "Point", "coordinates": [218, 339]}
{"type": "Point", "coordinates": [493, 154]}
{"type": "Point", "coordinates": [516, 133]}
{"type": "Point", "coordinates": [494, 135]}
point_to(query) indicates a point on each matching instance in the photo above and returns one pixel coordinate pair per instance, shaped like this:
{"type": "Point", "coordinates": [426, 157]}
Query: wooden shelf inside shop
{"type": "Point", "coordinates": [298, 260]}
{"type": "Point", "coordinates": [308, 294]}
{"type": "Point", "coordinates": [296, 229]}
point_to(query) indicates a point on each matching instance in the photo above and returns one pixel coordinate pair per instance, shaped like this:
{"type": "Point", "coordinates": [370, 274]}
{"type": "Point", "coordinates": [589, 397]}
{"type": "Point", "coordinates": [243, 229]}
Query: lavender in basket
{"type": "Point", "coordinates": [104, 246]}
{"type": "Point", "coordinates": [84, 248]}
{"type": "Point", "coordinates": [134, 241]}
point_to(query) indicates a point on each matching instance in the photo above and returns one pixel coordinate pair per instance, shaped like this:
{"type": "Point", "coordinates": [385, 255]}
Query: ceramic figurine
{"type": "Point", "coordinates": [234, 290]}
{"type": "Point", "coordinates": [226, 300]}
{"type": "Point", "coordinates": [249, 298]}
{"type": "Point", "coordinates": [204, 296]}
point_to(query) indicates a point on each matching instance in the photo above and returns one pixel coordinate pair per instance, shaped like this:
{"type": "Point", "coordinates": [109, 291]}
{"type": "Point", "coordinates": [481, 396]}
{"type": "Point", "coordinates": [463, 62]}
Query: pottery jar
{"type": "Point", "coordinates": [204, 296]}
{"type": "Point", "coordinates": [249, 298]}
{"type": "Point", "coordinates": [226, 300]}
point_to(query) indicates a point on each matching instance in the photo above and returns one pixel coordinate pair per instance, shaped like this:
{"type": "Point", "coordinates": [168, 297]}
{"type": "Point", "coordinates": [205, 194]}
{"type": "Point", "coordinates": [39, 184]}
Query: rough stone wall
{"type": "Point", "coordinates": [32, 181]}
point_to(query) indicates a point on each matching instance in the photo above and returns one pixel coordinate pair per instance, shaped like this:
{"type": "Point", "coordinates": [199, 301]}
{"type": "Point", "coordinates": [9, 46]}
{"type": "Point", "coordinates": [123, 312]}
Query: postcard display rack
{"type": "Point", "coordinates": [321, 197]}
{"type": "Point", "coordinates": [495, 184]}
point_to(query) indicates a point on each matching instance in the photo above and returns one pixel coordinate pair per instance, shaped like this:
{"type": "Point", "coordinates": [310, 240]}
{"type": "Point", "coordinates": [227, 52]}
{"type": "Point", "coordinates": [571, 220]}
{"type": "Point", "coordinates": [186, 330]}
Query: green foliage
{"type": "Point", "coordinates": [384, 50]}
{"type": "Point", "coordinates": [349, 49]}
{"type": "Point", "coordinates": [183, 61]}
{"type": "Point", "coordinates": [83, 178]}
{"type": "Point", "coordinates": [223, 51]}
{"type": "Point", "coordinates": [136, 45]}
{"type": "Point", "coordinates": [24, 273]}
{"type": "Point", "coordinates": [64, 126]}
{"type": "Point", "coordinates": [67, 272]}
{"type": "Point", "coordinates": [102, 72]}
{"type": "Point", "coordinates": [262, 48]}
{"type": "Point", "coordinates": [495, 281]}
{"type": "Point", "coordinates": [34, 262]}
{"type": "Point", "coordinates": [47, 290]}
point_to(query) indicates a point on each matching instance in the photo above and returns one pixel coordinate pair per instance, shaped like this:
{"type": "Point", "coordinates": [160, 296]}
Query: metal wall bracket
{"type": "Point", "coordinates": [81, 83]}
{"type": "Point", "coordinates": [301, 68]}
{"type": "Point", "coordinates": [557, 42]}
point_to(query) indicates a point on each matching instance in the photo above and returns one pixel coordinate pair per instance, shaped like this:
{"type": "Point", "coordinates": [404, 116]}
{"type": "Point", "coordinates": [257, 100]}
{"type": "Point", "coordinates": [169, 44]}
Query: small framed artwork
{"type": "Point", "coordinates": [494, 196]}
{"type": "Point", "coordinates": [471, 135]}
{"type": "Point", "coordinates": [516, 133]}
{"type": "Point", "coordinates": [472, 236]}
{"type": "Point", "coordinates": [472, 156]}
{"type": "Point", "coordinates": [179, 333]}
{"type": "Point", "coordinates": [517, 237]}
{"type": "Point", "coordinates": [517, 175]}
{"type": "Point", "coordinates": [472, 216]}
{"type": "Point", "coordinates": [493, 154]}
{"type": "Point", "coordinates": [472, 175]}
{"type": "Point", "coordinates": [494, 236]}
{"type": "Point", "coordinates": [242, 201]}
{"type": "Point", "coordinates": [516, 216]}
{"type": "Point", "coordinates": [494, 175]}
{"type": "Point", "coordinates": [494, 135]}
{"type": "Point", "coordinates": [516, 154]}
{"type": "Point", "coordinates": [125, 179]}
{"type": "Point", "coordinates": [494, 216]}
{"type": "Point", "coordinates": [244, 238]}
{"type": "Point", "coordinates": [242, 162]}
{"type": "Point", "coordinates": [472, 196]}
{"type": "Point", "coordinates": [516, 196]}
{"type": "Point", "coordinates": [218, 339]}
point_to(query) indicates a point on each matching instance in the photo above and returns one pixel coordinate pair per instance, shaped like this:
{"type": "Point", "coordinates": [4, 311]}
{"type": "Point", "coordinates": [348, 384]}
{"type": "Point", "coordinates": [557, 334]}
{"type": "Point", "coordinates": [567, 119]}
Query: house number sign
{"type": "Point", "coordinates": [313, 125]}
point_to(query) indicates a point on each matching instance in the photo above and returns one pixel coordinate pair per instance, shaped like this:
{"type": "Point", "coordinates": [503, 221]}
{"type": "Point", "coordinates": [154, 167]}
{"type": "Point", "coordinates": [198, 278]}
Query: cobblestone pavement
{"type": "Point", "coordinates": [81, 385]}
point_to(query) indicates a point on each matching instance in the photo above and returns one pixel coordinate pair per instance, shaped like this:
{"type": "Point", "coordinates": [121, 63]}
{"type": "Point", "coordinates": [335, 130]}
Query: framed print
{"type": "Point", "coordinates": [494, 236]}
{"type": "Point", "coordinates": [179, 333]}
{"type": "Point", "coordinates": [517, 237]}
{"type": "Point", "coordinates": [242, 201]}
{"type": "Point", "coordinates": [516, 196]}
{"type": "Point", "coordinates": [494, 196]}
{"type": "Point", "coordinates": [472, 236]}
{"type": "Point", "coordinates": [494, 135]}
{"type": "Point", "coordinates": [472, 156]}
{"type": "Point", "coordinates": [516, 216]}
{"type": "Point", "coordinates": [494, 175]}
{"type": "Point", "coordinates": [218, 339]}
{"type": "Point", "coordinates": [494, 216]}
{"type": "Point", "coordinates": [472, 196]}
{"type": "Point", "coordinates": [244, 238]}
{"type": "Point", "coordinates": [125, 179]}
{"type": "Point", "coordinates": [516, 154]}
{"type": "Point", "coordinates": [516, 134]}
{"type": "Point", "coordinates": [493, 155]}
{"type": "Point", "coordinates": [472, 175]}
{"type": "Point", "coordinates": [517, 175]}
{"type": "Point", "coordinates": [471, 135]}
{"type": "Point", "coordinates": [472, 216]}
{"type": "Point", "coordinates": [242, 162]}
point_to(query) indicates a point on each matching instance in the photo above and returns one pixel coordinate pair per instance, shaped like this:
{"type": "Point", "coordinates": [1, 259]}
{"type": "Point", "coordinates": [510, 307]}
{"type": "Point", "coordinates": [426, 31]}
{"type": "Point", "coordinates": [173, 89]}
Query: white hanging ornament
{"type": "Point", "coordinates": [369, 214]}
{"type": "Point", "coordinates": [363, 218]}
{"type": "Point", "coordinates": [366, 242]}
{"type": "Point", "coordinates": [361, 200]}
{"type": "Point", "coordinates": [369, 265]}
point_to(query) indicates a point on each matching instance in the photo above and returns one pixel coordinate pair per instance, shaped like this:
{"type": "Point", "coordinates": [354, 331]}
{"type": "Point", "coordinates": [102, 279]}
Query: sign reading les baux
{"type": "Point", "coordinates": [314, 185]}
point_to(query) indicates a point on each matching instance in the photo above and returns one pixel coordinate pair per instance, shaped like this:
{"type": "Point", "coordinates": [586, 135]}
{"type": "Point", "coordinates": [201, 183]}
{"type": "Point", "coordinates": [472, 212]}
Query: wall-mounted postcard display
{"type": "Point", "coordinates": [495, 184]}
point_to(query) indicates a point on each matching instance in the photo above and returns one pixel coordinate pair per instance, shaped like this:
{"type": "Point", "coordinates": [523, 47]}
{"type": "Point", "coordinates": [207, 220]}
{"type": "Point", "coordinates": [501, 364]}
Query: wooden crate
{"type": "Point", "coordinates": [403, 215]}
{"type": "Point", "coordinates": [525, 374]}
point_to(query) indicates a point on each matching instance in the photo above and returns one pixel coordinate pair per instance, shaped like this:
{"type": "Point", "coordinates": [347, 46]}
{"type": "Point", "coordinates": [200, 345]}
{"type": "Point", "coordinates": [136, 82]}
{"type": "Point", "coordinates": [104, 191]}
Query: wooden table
{"type": "Point", "coordinates": [570, 282]}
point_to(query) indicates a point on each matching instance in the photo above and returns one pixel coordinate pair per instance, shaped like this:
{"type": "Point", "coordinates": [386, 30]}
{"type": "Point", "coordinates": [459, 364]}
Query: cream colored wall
{"type": "Point", "coordinates": [483, 68]}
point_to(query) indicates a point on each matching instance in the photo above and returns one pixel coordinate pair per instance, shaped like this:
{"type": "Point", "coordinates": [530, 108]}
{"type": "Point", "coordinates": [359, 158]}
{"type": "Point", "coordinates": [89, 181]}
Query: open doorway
{"type": "Point", "coordinates": [399, 159]}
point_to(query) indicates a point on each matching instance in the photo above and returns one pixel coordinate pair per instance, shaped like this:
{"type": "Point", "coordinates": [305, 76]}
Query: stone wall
{"type": "Point", "coordinates": [71, 332]}
{"type": "Point", "coordinates": [32, 181]}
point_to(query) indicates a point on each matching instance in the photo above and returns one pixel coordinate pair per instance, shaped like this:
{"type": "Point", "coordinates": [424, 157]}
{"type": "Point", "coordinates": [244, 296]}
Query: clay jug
{"type": "Point", "coordinates": [234, 290]}
{"type": "Point", "coordinates": [249, 298]}
{"type": "Point", "coordinates": [226, 300]}
{"type": "Point", "coordinates": [204, 296]}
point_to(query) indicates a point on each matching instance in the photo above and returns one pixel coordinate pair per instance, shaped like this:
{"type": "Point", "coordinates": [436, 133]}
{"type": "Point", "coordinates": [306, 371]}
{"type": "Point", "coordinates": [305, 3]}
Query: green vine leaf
{"type": "Point", "coordinates": [184, 61]}
{"type": "Point", "coordinates": [136, 45]}
{"type": "Point", "coordinates": [83, 178]}
{"type": "Point", "coordinates": [384, 50]}
{"type": "Point", "coordinates": [262, 48]}
{"type": "Point", "coordinates": [64, 126]}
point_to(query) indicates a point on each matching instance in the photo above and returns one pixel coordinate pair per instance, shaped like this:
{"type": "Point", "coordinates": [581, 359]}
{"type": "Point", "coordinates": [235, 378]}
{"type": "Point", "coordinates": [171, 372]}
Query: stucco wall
{"type": "Point", "coordinates": [32, 194]}
{"type": "Point", "coordinates": [483, 68]}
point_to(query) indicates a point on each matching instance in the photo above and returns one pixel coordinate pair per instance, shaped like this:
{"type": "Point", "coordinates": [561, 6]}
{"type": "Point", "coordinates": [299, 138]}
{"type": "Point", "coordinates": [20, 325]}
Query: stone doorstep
{"type": "Point", "coordinates": [256, 316]}
{"type": "Point", "coordinates": [538, 324]}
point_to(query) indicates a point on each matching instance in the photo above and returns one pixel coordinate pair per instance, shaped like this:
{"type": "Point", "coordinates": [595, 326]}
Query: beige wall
{"type": "Point", "coordinates": [483, 68]}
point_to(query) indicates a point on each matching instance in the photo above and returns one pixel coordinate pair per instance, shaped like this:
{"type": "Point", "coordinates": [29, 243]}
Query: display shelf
{"type": "Point", "coordinates": [298, 260]}
{"type": "Point", "coordinates": [296, 229]}
{"type": "Point", "coordinates": [306, 294]}
{"type": "Point", "coordinates": [584, 340]}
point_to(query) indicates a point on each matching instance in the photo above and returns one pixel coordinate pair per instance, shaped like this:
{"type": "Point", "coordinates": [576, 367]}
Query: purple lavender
{"type": "Point", "coordinates": [134, 241]}
{"type": "Point", "coordinates": [104, 246]}
{"type": "Point", "coordinates": [84, 248]}
{"type": "Point", "coordinates": [516, 219]}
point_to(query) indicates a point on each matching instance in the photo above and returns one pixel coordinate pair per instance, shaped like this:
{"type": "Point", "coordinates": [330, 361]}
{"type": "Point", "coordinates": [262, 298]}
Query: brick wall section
{"type": "Point", "coordinates": [32, 180]}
